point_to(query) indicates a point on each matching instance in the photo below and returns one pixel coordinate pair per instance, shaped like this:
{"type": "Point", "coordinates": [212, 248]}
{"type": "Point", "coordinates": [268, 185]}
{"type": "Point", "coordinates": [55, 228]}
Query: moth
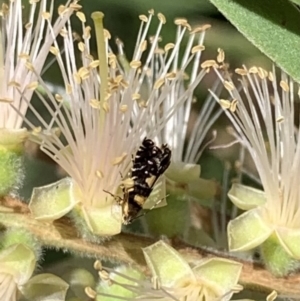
{"type": "Point", "coordinates": [148, 164]}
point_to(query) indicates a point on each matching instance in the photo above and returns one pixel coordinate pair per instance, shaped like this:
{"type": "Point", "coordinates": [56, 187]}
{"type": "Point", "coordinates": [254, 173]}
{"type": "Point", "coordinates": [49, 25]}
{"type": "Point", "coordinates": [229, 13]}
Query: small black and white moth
{"type": "Point", "coordinates": [148, 164]}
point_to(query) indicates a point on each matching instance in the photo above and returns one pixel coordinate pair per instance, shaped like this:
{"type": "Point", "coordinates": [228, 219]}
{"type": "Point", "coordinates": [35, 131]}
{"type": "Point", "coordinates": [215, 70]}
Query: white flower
{"type": "Point", "coordinates": [112, 105]}
{"type": "Point", "coordinates": [186, 141]}
{"type": "Point", "coordinates": [263, 115]}
{"type": "Point", "coordinates": [22, 47]}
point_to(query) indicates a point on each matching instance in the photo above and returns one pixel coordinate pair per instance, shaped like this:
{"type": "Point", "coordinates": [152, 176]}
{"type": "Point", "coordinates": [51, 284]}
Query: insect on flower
{"type": "Point", "coordinates": [148, 164]}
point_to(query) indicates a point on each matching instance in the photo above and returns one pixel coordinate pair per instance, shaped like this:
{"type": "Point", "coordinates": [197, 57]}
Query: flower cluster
{"type": "Point", "coordinates": [262, 112]}
{"type": "Point", "coordinates": [21, 49]}
{"type": "Point", "coordinates": [109, 106]}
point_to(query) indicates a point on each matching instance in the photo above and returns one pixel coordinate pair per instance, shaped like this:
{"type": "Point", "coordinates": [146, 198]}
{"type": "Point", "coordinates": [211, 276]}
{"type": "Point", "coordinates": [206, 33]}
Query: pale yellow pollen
{"type": "Point", "coordinates": [112, 63]}
{"type": "Point", "coordinates": [142, 104]}
{"type": "Point", "coordinates": [81, 46]}
{"type": "Point", "coordinates": [46, 15]}
{"type": "Point", "coordinates": [143, 18]}
{"type": "Point", "coordinates": [253, 70]}
{"type": "Point", "coordinates": [159, 51]}
{"type": "Point", "coordinates": [94, 64]}
{"type": "Point", "coordinates": [81, 16]}
{"type": "Point", "coordinates": [61, 9]}
{"type": "Point", "coordinates": [299, 91]}
{"type": "Point", "coordinates": [209, 64]}
{"type": "Point", "coordinates": [221, 55]}
{"type": "Point", "coordinates": [124, 84]}
{"type": "Point", "coordinates": [75, 6]}
{"type": "Point", "coordinates": [279, 119]}
{"type": "Point", "coordinates": [32, 86]}
{"type": "Point", "coordinates": [112, 60]}
{"type": "Point", "coordinates": [228, 85]}
{"type": "Point", "coordinates": [6, 100]}
{"type": "Point", "coordinates": [159, 83]}
{"type": "Point", "coordinates": [135, 96]}
{"type": "Point", "coordinates": [64, 33]}
{"type": "Point", "coordinates": [29, 66]}
{"type": "Point", "coordinates": [77, 78]}
{"type": "Point", "coordinates": [5, 9]}
{"type": "Point", "coordinates": [152, 38]}
{"type": "Point", "coordinates": [87, 32]}
{"type": "Point", "coordinates": [105, 106]}
{"type": "Point", "coordinates": [54, 50]}
{"type": "Point", "coordinates": [201, 28]}
{"type": "Point", "coordinates": [58, 97]}
{"type": "Point", "coordinates": [225, 104]}
{"type": "Point", "coordinates": [171, 75]}
{"type": "Point", "coordinates": [271, 76]}
{"type": "Point", "coordinates": [28, 25]}
{"type": "Point", "coordinates": [123, 108]}
{"type": "Point", "coordinates": [14, 84]}
{"type": "Point", "coordinates": [241, 71]}
{"type": "Point", "coordinates": [135, 64]}
{"type": "Point", "coordinates": [151, 11]}
{"type": "Point", "coordinates": [161, 18]}
{"type": "Point", "coordinates": [169, 46]}
{"type": "Point", "coordinates": [197, 48]}
{"type": "Point", "coordinates": [84, 73]}
{"type": "Point", "coordinates": [183, 22]}
{"type": "Point", "coordinates": [233, 105]}
{"type": "Point", "coordinates": [99, 174]}
{"type": "Point", "coordinates": [94, 103]}
{"type": "Point", "coordinates": [24, 56]}
{"type": "Point", "coordinates": [284, 85]}
{"type": "Point", "coordinates": [143, 46]}
{"type": "Point", "coordinates": [180, 21]}
{"type": "Point", "coordinates": [107, 34]}
{"type": "Point", "coordinates": [90, 293]}
{"type": "Point", "coordinates": [104, 275]}
{"type": "Point", "coordinates": [272, 296]}
{"type": "Point", "coordinates": [36, 131]}
{"type": "Point", "coordinates": [68, 89]}
{"type": "Point", "coordinates": [262, 73]}
{"type": "Point", "coordinates": [119, 79]}
{"type": "Point", "coordinates": [119, 160]}
{"type": "Point", "coordinates": [97, 265]}
{"type": "Point", "coordinates": [111, 55]}
{"type": "Point", "coordinates": [56, 131]}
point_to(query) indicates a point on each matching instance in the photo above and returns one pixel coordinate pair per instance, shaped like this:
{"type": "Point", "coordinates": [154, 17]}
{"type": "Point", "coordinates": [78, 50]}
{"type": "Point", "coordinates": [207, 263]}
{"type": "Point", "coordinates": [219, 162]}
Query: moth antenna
{"type": "Point", "coordinates": [109, 193]}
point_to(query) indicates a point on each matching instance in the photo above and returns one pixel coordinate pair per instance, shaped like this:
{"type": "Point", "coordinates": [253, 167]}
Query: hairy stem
{"type": "Point", "coordinates": [126, 248]}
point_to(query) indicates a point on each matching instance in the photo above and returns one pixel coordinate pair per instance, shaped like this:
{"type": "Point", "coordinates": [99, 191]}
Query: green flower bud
{"type": "Point", "coordinates": [11, 161]}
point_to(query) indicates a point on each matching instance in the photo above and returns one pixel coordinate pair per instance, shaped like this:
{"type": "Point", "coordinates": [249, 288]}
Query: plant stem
{"type": "Point", "coordinates": [125, 248]}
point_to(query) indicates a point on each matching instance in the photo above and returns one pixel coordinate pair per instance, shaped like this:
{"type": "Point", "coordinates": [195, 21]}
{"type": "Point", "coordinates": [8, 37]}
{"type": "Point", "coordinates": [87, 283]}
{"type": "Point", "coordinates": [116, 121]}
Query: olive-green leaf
{"type": "Point", "coordinates": [296, 1]}
{"type": "Point", "coordinates": [271, 25]}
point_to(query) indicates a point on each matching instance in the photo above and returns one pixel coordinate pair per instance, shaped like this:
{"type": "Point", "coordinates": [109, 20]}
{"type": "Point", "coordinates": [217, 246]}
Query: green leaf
{"type": "Point", "coordinates": [296, 1]}
{"type": "Point", "coordinates": [271, 25]}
